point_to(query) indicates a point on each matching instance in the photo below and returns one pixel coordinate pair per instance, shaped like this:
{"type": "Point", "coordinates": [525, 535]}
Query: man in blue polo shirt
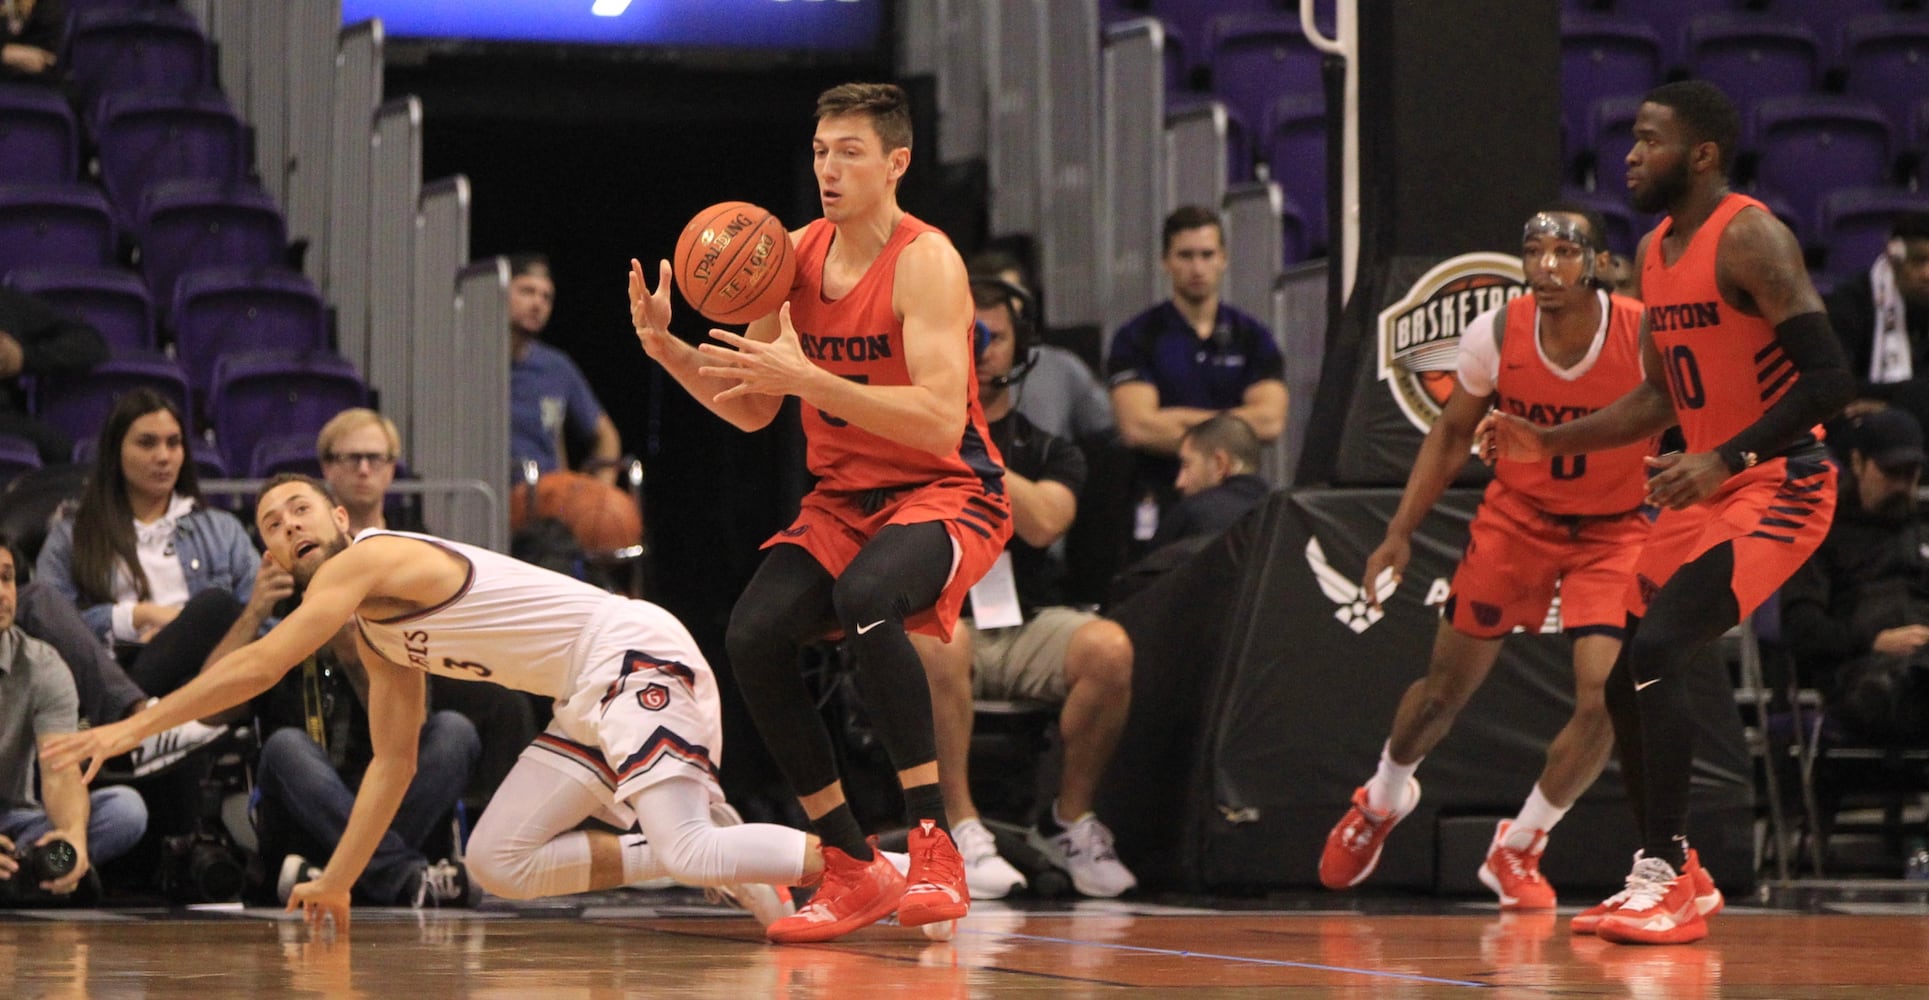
{"type": "Point", "coordinates": [1191, 357]}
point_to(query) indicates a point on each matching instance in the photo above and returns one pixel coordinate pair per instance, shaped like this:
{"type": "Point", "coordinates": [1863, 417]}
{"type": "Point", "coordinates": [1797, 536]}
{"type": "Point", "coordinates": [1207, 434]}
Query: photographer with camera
{"type": "Point", "coordinates": [47, 846]}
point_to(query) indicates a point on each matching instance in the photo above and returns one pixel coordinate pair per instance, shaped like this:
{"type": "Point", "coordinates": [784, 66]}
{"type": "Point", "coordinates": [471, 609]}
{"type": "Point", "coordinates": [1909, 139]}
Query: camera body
{"type": "Point", "coordinates": [42, 863]}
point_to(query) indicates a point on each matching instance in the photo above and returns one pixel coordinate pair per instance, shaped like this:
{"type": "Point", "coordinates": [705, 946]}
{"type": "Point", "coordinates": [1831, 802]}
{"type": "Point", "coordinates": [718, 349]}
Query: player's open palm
{"type": "Point", "coordinates": [774, 368]}
{"type": "Point", "coordinates": [650, 310]}
{"type": "Point", "coordinates": [1393, 554]}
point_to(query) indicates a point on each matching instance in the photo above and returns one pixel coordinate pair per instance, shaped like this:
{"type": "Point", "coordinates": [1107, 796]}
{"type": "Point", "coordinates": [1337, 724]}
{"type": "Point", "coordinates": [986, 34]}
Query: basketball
{"type": "Point", "coordinates": [733, 262]}
{"type": "Point", "coordinates": [601, 517]}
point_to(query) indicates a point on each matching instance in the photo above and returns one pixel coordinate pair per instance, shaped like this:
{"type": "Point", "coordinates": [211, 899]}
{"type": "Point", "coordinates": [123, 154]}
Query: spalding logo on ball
{"type": "Point", "coordinates": [733, 262]}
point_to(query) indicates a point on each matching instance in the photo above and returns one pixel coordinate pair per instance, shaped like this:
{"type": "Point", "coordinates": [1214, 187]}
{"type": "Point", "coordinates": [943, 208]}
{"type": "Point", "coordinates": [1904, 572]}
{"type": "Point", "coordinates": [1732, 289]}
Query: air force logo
{"type": "Point", "coordinates": [1354, 611]}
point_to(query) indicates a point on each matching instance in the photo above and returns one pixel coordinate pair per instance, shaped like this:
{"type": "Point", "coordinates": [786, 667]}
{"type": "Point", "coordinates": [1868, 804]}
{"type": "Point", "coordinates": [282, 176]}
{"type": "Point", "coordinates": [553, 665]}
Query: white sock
{"type": "Point", "coordinates": [1386, 791]}
{"type": "Point", "coordinates": [1536, 814]}
{"type": "Point", "coordinates": [639, 862]}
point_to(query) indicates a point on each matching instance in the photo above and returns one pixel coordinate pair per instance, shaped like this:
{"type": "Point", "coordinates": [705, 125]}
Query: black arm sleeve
{"type": "Point", "coordinates": [1822, 387]}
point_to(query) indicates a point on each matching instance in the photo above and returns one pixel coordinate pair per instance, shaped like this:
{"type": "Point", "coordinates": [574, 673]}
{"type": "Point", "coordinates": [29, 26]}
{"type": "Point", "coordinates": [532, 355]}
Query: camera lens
{"type": "Point", "coordinates": [50, 861]}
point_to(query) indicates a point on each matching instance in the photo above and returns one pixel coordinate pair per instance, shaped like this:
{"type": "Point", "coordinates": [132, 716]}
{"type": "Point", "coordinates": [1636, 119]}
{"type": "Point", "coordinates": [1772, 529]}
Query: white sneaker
{"type": "Point", "coordinates": [768, 903]}
{"type": "Point", "coordinates": [167, 747]}
{"type": "Point", "coordinates": [1085, 851]}
{"type": "Point", "coordinates": [295, 870]}
{"type": "Point", "coordinates": [443, 881]}
{"type": "Point", "coordinates": [988, 874]}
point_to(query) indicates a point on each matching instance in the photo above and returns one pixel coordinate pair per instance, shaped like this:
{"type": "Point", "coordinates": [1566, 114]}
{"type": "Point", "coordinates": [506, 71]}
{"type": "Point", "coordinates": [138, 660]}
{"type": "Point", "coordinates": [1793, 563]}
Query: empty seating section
{"type": "Point", "coordinates": [130, 200]}
{"type": "Point", "coordinates": [255, 394]}
{"type": "Point", "coordinates": [1835, 121]}
{"type": "Point", "coordinates": [39, 140]}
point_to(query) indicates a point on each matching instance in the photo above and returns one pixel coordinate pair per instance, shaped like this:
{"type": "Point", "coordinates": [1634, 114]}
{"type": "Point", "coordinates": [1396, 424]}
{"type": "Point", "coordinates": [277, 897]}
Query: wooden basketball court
{"type": "Point", "coordinates": [676, 946]}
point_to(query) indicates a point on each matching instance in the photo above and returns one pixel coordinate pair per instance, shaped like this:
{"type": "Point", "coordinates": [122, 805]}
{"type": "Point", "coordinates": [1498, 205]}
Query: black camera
{"type": "Point", "coordinates": [42, 863]}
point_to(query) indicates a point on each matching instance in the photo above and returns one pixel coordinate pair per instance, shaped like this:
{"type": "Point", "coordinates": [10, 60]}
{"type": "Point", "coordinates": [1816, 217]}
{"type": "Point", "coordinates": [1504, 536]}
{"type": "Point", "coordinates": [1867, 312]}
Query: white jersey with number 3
{"type": "Point", "coordinates": [512, 623]}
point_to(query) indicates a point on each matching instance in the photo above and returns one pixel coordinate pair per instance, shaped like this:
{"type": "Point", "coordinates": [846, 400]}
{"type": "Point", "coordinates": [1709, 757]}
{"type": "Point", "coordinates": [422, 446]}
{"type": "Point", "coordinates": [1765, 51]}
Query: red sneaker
{"type": "Point", "coordinates": [1515, 874]}
{"type": "Point", "coordinates": [853, 894]}
{"type": "Point", "coordinates": [1660, 908]}
{"type": "Point", "coordinates": [937, 889]}
{"type": "Point", "coordinates": [1353, 848]}
{"type": "Point", "coordinates": [1708, 899]}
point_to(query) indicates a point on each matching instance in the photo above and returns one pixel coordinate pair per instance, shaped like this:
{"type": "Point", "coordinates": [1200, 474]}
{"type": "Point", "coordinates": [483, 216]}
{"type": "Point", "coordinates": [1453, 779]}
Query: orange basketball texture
{"type": "Point", "coordinates": [600, 516]}
{"type": "Point", "coordinates": [733, 262]}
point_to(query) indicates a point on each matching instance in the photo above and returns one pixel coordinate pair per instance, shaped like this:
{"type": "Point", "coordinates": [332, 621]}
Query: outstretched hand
{"type": "Point", "coordinates": [774, 368]}
{"type": "Point", "coordinates": [90, 746]}
{"type": "Point", "coordinates": [650, 310]}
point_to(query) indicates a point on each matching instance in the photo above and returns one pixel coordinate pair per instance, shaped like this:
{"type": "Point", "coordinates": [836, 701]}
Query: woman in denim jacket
{"type": "Point", "coordinates": [167, 582]}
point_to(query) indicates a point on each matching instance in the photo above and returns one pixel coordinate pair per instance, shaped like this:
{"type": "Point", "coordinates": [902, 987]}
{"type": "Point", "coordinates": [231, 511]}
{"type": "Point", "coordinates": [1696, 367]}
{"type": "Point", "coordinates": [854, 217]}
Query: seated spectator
{"type": "Point", "coordinates": [37, 340]}
{"type": "Point", "coordinates": [1022, 643]}
{"type": "Point", "coordinates": [548, 399]}
{"type": "Point", "coordinates": [358, 449]}
{"type": "Point", "coordinates": [1856, 615]}
{"type": "Point", "coordinates": [33, 30]}
{"type": "Point", "coordinates": [1882, 317]}
{"type": "Point", "coordinates": [1218, 480]}
{"type": "Point", "coordinates": [37, 701]}
{"type": "Point", "coordinates": [105, 691]}
{"type": "Point", "coordinates": [1191, 357]}
{"type": "Point", "coordinates": [1053, 387]}
{"type": "Point", "coordinates": [166, 582]}
{"type": "Point", "coordinates": [308, 783]}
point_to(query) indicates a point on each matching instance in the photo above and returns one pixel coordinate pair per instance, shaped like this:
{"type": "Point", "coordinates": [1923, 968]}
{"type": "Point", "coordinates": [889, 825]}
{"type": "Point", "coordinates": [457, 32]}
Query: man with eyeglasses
{"type": "Point", "coordinates": [358, 449]}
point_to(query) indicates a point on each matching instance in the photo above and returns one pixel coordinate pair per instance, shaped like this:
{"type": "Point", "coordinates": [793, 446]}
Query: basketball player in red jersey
{"type": "Point", "coordinates": [1739, 353]}
{"type": "Point", "coordinates": [908, 512]}
{"type": "Point", "coordinates": [1566, 349]}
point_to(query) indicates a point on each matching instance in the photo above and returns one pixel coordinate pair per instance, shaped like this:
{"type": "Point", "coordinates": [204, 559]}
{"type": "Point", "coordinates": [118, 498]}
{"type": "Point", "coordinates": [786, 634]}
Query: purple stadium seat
{"type": "Point", "coordinates": [114, 301]}
{"type": "Point", "coordinates": [288, 393]}
{"type": "Point", "coordinates": [187, 224]}
{"type": "Point", "coordinates": [39, 141]}
{"type": "Point", "coordinates": [226, 310]}
{"type": "Point", "coordinates": [1192, 18]}
{"type": "Point", "coordinates": [156, 47]}
{"type": "Point", "coordinates": [17, 455]}
{"type": "Point", "coordinates": [1809, 145]}
{"type": "Point", "coordinates": [1625, 227]}
{"type": "Point", "coordinates": [79, 406]}
{"type": "Point", "coordinates": [1601, 57]}
{"type": "Point", "coordinates": [1886, 60]}
{"type": "Point", "coordinates": [146, 138]}
{"type": "Point", "coordinates": [1667, 18]}
{"type": "Point", "coordinates": [54, 225]}
{"type": "Point", "coordinates": [1752, 55]}
{"type": "Point", "coordinates": [278, 453]}
{"type": "Point", "coordinates": [1294, 145]}
{"type": "Point", "coordinates": [1919, 141]}
{"type": "Point", "coordinates": [1255, 58]}
{"type": "Point", "coordinates": [1856, 223]}
{"type": "Point", "coordinates": [1610, 134]}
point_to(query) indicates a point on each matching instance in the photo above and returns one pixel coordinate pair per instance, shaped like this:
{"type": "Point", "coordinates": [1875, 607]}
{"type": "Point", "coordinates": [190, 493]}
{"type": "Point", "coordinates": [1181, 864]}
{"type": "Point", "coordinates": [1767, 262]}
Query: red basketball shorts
{"type": "Point", "coordinates": [833, 528]}
{"type": "Point", "coordinates": [1517, 555]}
{"type": "Point", "coordinates": [1775, 514]}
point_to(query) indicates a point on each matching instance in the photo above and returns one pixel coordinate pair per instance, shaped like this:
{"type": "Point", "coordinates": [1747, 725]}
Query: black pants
{"type": "Point", "coordinates": [793, 600]}
{"type": "Point", "coordinates": [106, 693]}
{"type": "Point", "coordinates": [176, 652]}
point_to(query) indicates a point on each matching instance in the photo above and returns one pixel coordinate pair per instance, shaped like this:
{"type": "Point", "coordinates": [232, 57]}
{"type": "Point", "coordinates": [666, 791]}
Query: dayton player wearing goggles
{"type": "Point", "coordinates": [1572, 524]}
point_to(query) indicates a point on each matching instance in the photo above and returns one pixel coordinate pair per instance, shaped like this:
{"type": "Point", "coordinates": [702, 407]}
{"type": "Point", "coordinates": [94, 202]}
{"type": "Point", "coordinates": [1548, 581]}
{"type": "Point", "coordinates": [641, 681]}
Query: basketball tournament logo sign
{"type": "Point", "coordinates": [1420, 334]}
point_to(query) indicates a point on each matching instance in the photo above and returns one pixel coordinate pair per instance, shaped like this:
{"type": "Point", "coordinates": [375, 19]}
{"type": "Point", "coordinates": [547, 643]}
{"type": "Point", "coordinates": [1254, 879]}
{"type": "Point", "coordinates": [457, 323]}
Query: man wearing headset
{"type": "Point", "coordinates": [1021, 643]}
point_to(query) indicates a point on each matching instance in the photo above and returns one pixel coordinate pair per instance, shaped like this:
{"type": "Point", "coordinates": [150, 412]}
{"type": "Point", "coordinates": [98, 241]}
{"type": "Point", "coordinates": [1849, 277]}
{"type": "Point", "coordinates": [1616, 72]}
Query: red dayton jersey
{"type": "Point", "coordinates": [1527, 384]}
{"type": "Point", "coordinates": [860, 337]}
{"type": "Point", "coordinates": [1724, 368]}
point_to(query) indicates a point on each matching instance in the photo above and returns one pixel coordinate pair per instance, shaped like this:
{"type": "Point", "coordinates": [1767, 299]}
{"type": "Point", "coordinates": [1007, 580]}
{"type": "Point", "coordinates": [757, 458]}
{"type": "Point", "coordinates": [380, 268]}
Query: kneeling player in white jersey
{"type": "Point", "coordinates": [636, 737]}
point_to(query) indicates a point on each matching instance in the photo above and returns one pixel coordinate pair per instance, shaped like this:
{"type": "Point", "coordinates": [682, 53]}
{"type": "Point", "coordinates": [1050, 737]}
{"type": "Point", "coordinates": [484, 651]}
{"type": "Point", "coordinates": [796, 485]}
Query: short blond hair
{"type": "Point", "coordinates": [354, 419]}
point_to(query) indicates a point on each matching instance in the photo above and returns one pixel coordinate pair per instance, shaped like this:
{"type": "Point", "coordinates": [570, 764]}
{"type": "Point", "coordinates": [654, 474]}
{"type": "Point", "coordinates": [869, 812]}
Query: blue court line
{"type": "Point", "coordinates": [1281, 963]}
